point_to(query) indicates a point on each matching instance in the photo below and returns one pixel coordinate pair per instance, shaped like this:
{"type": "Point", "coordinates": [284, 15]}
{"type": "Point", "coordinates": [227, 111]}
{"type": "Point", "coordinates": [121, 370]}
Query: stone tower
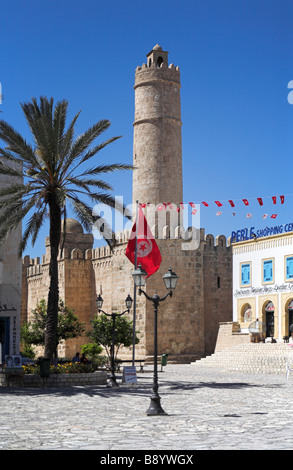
{"type": "Point", "coordinates": [157, 148]}
{"type": "Point", "coordinates": [187, 323]}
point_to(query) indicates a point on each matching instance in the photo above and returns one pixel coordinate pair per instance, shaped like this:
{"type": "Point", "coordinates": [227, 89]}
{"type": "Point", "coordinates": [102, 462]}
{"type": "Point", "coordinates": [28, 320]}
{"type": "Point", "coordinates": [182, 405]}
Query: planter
{"type": "Point", "coordinates": [58, 380]}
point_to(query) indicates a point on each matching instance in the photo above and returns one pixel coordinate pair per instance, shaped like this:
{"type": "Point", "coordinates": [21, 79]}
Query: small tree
{"type": "Point", "coordinates": [68, 326]}
{"type": "Point", "coordinates": [92, 352]}
{"type": "Point", "coordinates": [102, 333]}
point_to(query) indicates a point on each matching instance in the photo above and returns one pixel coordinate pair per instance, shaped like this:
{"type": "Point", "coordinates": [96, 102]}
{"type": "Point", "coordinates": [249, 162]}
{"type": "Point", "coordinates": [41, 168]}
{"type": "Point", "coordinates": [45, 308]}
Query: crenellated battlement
{"type": "Point", "coordinates": [213, 242]}
{"type": "Point", "coordinates": [35, 266]}
{"type": "Point", "coordinates": [146, 74]}
{"type": "Point", "coordinates": [153, 66]}
{"type": "Point", "coordinates": [156, 69]}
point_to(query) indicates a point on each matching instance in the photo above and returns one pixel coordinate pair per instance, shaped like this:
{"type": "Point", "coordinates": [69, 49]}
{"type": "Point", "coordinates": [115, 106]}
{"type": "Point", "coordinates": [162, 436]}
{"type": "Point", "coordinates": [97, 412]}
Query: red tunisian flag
{"type": "Point", "coordinates": [148, 253]}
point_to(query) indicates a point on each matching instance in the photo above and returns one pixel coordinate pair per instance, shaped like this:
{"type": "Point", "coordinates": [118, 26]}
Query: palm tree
{"type": "Point", "coordinates": [48, 174]}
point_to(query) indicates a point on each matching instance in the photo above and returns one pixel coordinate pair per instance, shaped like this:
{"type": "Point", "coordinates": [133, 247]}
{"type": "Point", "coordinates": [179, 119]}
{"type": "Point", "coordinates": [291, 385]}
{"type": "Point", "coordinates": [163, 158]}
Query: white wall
{"type": "Point", "coordinates": [277, 247]}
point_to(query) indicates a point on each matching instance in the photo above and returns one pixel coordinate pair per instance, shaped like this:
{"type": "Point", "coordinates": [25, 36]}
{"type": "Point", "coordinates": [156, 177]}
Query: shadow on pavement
{"type": "Point", "coordinates": [142, 387]}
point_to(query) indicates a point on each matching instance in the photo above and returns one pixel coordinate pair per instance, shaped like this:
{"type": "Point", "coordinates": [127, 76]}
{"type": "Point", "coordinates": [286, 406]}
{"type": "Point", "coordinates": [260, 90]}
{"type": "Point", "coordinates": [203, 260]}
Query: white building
{"type": "Point", "coordinates": [263, 279]}
{"type": "Point", "coordinates": [10, 289]}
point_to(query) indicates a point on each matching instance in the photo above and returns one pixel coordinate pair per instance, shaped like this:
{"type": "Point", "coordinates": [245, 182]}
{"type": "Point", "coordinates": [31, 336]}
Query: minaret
{"type": "Point", "coordinates": [157, 147]}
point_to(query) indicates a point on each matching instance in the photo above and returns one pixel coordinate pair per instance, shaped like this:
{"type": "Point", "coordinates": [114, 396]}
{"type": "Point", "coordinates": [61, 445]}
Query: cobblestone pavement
{"type": "Point", "coordinates": [206, 410]}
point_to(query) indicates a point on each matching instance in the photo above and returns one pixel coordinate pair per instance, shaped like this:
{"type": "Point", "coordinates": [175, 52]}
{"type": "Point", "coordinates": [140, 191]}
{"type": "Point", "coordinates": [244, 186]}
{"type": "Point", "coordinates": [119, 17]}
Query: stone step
{"type": "Point", "coordinates": [267, 358]}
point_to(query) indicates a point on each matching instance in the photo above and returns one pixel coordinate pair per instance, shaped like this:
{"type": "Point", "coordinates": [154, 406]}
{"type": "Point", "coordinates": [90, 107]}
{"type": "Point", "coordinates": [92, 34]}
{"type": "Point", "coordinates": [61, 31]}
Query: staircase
{"type": "Point", "coordinates": [250, 358]}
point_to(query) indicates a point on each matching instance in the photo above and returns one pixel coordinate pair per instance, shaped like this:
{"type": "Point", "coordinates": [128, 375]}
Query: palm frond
{"type": "Point", "coordinates": [83, 141]}
{"type": "Point", "coordinates": [67, 140]}
{"type": "Point", "coordinates": [97, 148]}
{"type": "Point", "coordinates": [32, 230]}
{"type": "Point", "coordinates": [90, 220]}
{"type": "Point", "coordinates": [39, 118]}
{"type": "Point", "coordinates": [16, 144]}
{"type": "Point", "coordinates": [14, 193]}
{"type": "Point", "coordinates": [60, 195]}
{"type": "Point", "coordinates": [59, 121]}
{"type": "Point", "coordinates": [9, 171]}
{"type": "Point", "coordinates": [85, 183]}
{"type": "Point", "coordinates": [16, 188]}
{"type": "Point", "coordinates": [107, 169]}
{"type": "Point", "coordinates": [50, 166]}
{"type": "Point", "coordinates": [12, 217]}
{"type": "Point", "coordinates": [4, 153]}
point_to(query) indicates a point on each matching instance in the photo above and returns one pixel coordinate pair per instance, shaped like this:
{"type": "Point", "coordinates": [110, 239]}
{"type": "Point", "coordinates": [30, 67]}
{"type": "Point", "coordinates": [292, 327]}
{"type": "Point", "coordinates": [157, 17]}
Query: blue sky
{"type": "Point", "coordinates": [236, 61]}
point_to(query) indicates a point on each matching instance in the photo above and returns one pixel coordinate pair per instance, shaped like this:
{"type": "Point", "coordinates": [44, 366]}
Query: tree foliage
{"type": "Point", "coordinates": [48, 173]}
{"type": "Point", "coordinates": [68, 326]}
{"type": "Point", "coordinates": [102, 332]}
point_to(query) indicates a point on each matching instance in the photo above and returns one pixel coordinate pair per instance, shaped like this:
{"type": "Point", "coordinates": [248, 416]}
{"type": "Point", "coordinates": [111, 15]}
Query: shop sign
{"type": "Point", "coordinates": [264, 290]}
{"type": "Point", "coordinates": [251, 233]}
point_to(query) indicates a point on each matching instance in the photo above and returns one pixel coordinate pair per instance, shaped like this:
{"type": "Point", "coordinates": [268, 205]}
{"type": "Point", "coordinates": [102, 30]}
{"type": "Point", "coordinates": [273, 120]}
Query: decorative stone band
{"type": "Point", "coordinates": [157, 119]}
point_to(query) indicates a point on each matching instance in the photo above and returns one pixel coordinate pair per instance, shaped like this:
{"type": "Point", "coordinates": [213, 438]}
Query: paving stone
{"type": "Point", "coordinates": [207, 410]}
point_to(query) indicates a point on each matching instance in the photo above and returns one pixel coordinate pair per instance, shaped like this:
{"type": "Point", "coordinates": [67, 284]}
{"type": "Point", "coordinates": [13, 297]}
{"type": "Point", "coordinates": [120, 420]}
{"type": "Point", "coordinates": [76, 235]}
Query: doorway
{"type": "Point", "coordinates": [290, 318]}
{"type": "Point", "coordinates": [270, 319]}
{"type": "Point", "coordinates": [4, 337]}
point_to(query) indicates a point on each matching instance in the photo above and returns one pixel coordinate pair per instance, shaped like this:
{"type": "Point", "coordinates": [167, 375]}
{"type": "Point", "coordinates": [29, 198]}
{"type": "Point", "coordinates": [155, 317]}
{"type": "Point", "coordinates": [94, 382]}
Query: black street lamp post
{"type": "Point", "coordinates": [99, 301]}
{"type": "Point", "coordinates": [170, 280]}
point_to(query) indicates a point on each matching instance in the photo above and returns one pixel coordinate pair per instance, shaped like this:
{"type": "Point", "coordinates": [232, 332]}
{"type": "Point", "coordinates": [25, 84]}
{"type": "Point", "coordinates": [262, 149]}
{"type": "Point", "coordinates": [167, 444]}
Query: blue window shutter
{"type": "Point", "coordinates": [289, 268]}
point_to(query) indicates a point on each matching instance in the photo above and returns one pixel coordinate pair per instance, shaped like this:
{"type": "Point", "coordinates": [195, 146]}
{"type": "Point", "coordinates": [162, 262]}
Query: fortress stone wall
{"type": "Point", "coordinates": [187, 323]}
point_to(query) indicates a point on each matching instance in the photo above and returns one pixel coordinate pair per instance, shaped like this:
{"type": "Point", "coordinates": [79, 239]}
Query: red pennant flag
{"type": "Point", "coordinates": [218, 203]}
{"type": "Point", "coordinates": [274, 216]}
{"type": "Point", "coordinates": [245, 202]}
{"type": "Point", "coordinates": [249, 216]}
{"type": "Point", "coordinates": [192, 204]}
{"type": "Point", "coordinates": [274, 198]}
{"type": "Point", "coordinates": [232, 203]}
{"type": "Point", "coordinates": [260, 201]}
{"type": "Point", "coordinates": [282, 199]}
{"type": "Point", "coordinates": [219, 213]}
{"type": "Point", "coordinates": [265, 216]}
{"type": "Point", "coordinates": [205, 203]}
{"type": "Point", "coordinates": [148, 253]}
{"type": "Point", "coordinates": [194, 211]}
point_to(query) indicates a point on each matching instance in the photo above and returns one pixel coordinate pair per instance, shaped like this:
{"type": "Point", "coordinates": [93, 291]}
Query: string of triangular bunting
{"type": "Point", "coordinates": [219, 204]}
{"type": "Point", "coordinates": [245, 201]}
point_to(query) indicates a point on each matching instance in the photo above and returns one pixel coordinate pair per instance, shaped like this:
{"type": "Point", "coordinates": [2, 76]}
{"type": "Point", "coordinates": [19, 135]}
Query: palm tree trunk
{"type": "Point", "coordinates": [53, 295]}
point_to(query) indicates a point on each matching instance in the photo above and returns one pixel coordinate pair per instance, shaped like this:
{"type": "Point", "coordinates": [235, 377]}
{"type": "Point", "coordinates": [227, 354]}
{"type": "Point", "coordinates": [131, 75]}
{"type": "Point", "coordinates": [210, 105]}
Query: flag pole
{"type": "Point", "coordinates": [134, 292]}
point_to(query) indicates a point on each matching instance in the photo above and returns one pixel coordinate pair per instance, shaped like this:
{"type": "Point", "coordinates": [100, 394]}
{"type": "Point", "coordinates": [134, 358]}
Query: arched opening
{"type": "Point", "coordinates": [290, 318]}
{"type": "Point", "coordinates": [160, 60]}
{"type": "Point", "coordinates": [246, 313]}
{"type": "Point", "coordinates": [269, 319]}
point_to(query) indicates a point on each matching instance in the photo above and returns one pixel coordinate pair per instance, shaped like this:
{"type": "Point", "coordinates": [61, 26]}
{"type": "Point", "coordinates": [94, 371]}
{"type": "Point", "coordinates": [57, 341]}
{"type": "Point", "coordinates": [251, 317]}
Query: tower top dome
{"type": "Point", "coordinates": [72, 226]}
{"type": "Point", "coordinates": [157, 56]}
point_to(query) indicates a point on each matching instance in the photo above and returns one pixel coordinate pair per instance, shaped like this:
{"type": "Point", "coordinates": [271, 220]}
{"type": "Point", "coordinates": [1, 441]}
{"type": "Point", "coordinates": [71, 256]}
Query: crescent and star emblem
{"type": "Point", "coordinates": [144, 247]}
